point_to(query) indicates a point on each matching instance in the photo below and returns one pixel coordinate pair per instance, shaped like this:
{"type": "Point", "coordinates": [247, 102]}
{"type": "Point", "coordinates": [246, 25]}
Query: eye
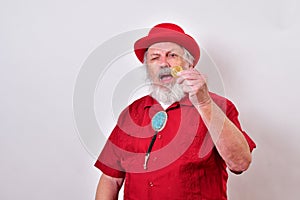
{"type": "Point", "coordinates": [154, 58]}
{"type": "Point", "coordinates": [172, 55]}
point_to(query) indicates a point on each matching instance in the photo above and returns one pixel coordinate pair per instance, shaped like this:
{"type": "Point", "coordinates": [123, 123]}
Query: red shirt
{"type": "Point", "coordinates": [183, 164]}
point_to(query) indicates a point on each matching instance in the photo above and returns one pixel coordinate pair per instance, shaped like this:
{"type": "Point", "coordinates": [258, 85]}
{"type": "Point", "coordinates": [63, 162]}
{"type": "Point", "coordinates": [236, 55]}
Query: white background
{"type": "Point", "coordinates": [43, 44]}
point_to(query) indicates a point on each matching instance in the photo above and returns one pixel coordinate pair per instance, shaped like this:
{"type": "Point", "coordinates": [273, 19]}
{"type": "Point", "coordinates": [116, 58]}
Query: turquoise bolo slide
{"type": "Point", "coordinates": [158, 123]}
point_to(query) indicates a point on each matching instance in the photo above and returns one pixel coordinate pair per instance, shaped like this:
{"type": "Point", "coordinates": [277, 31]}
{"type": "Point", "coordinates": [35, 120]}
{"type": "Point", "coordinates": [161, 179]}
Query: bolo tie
{"type": "Point", "coordinates": [158, 123]}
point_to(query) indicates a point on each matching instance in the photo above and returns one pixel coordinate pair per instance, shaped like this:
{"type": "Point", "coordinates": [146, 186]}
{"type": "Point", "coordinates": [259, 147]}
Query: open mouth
{"type": "Point", "coordinates": [165, 77]}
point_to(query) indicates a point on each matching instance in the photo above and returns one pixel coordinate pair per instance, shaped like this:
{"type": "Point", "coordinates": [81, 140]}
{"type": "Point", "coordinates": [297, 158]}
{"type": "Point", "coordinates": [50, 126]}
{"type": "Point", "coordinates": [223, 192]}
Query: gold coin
{"type": "Point", "coordinates": [175, 70]}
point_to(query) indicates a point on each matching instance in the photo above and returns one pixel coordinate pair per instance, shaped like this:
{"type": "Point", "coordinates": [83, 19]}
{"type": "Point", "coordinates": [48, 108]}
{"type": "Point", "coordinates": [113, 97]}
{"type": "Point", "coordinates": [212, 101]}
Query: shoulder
{"type": "Point", "coordinates": [141, 103]}
{"type": "Point", "coordinates": [225, 104]}
{"type": "Point", "coordinates": [135, 111]}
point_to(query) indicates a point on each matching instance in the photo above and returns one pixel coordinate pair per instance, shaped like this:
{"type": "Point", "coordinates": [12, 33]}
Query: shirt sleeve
{"type": "Point", "coordinates": [232, 114]}
{"type": "Point", "coordinates": [109, 160]}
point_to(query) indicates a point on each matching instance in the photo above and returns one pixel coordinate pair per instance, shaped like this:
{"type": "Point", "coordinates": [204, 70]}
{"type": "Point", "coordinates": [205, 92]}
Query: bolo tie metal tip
{"type": "Point", "coordinates": [146, 161]}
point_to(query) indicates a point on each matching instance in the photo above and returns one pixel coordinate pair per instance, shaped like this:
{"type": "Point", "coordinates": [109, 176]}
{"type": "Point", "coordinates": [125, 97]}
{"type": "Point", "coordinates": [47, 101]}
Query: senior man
{"type": "Point", "coordinates": [178, 141]}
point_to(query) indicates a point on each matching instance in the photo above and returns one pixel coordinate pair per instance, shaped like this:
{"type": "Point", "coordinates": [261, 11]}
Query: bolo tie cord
{"type": "Point", "coordinates": [149, 149]}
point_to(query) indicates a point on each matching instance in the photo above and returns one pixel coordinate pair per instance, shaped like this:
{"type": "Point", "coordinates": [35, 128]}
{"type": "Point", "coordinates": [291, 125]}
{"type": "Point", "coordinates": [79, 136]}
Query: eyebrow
{"type": "Point", "coordinates": [154, 54]}
{"type": "Point", "coordinates": [158, 53]}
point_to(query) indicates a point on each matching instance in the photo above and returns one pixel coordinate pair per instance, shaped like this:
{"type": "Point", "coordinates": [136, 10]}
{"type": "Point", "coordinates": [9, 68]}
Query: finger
{"type": "Point", "coordinates": [185, 72]}
{"type": "Point", "coordinates": [190, 80]}
{"type": "Point", "coordinates": [190, 75]}
{"type": "Point", "coordinates": [193, 82]}
{"type": "Point", "coordinates": [188, 71]}
{"type": "Point", "coordinates": [190, 89]}
{"type": "Point", "coordinates": [180, 80]}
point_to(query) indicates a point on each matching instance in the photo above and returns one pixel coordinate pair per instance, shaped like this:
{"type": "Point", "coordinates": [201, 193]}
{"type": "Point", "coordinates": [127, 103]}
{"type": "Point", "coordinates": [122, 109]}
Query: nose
{"type": "Point", "coordinates": [164, 62]}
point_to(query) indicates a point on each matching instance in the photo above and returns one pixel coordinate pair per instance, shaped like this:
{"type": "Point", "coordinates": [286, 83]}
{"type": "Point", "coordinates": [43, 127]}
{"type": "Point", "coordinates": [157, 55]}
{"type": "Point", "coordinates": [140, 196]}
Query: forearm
{"type": "Point", "coordinates": [108, 188]}
{"type": "Point", "coordinates": [228, 139]}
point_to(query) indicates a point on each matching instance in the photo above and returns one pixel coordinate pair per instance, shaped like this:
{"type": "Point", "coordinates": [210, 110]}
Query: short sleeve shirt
{"type": "Point", "coordinates": [183, 164]}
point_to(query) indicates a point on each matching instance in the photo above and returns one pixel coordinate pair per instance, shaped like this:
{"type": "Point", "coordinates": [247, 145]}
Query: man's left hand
{"type": "Point", "coordinates": [194, 83]}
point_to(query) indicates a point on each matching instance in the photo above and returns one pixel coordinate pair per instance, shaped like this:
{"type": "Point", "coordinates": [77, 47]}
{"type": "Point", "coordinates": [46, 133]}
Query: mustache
{"type": "Point", "coordinates": [166, 71]}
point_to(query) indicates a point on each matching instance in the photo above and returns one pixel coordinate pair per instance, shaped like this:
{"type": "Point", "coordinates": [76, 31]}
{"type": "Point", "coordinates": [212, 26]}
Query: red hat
{"type": "Point", "coordinates": [167, 32]}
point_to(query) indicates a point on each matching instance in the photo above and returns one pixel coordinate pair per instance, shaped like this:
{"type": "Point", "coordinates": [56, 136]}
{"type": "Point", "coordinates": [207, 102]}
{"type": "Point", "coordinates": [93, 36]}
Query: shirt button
{"type": "Point", "coordinates": [159, 136]}
{"type": "Point", "coordinates": [151, 184]}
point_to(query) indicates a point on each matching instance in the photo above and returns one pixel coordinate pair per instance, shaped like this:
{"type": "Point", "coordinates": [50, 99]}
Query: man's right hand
{"type": "Point", "coordinates": [108, 188]}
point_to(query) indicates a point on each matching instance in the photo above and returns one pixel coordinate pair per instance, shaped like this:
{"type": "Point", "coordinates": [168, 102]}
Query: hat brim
{"type": "Point", "coordinates": [141, 45]}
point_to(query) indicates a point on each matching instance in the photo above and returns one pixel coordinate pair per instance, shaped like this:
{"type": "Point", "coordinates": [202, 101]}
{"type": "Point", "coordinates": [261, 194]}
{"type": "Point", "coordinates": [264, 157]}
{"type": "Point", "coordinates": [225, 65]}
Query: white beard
{"type": "Point", "coordinates": [166, 93]}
